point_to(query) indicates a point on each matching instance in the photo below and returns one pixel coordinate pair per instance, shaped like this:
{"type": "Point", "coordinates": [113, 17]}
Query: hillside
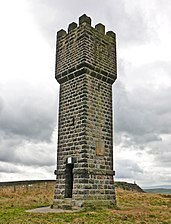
{"type": "Point", "coordinates": [133, 207]}
{"type": "Point", "coordinates": [128, 186]}
{"type": "Point", "coordinates": [158, 190]}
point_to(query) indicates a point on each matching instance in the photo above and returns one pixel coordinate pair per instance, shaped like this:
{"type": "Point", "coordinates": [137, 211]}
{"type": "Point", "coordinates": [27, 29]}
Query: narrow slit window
{"type": "Point", "coordinates": [73, 121]}
{"type": "Point", "coordinates": [99, 87]}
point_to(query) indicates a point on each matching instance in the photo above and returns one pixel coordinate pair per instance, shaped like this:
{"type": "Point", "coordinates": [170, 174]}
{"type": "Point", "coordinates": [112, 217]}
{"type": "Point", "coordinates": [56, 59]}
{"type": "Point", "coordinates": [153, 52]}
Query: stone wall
{"type": "Point", "coordinates": [85, 46]}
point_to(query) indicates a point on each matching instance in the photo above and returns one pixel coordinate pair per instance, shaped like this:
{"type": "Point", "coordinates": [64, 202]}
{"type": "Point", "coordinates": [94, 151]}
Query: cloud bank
{"type": "Point", "coordinates": [29, 92]}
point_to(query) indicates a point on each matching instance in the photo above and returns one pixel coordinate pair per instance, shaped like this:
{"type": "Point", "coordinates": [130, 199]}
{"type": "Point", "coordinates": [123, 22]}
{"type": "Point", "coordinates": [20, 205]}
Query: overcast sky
{"type": "Point", "coordinates": [29, 91]}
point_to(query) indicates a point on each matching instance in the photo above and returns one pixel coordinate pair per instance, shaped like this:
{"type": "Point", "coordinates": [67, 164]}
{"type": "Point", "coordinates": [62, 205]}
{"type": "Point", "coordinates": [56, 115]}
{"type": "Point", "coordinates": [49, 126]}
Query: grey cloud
{"type": "Point", "coordinates": [150, 137]}
{"type": "Point", "coordinates": [154, 75]}
{"type": "Point", "coordinates": [127, 169]}
{"type": "Point", "coordinates": [27, 124]}
{"type": "Point", "coordinates": [8, 168]}
{"type": "Point", "coordinates": [30, 113]}
{"type": "Point", "coordinates": [37, 155]}
{"type": "Point", "coordinates": [1, 104]}
{"type": "Point", "coordinates": [142, 122]}
{"type": "Point", "coordinates": [8, 146]}
{"type": "Point", "coordinates": [130, 23]}
{"type": "Point", "coordinates": [15, 150]}
{"type": "Point", "coordinates": [162, 152]}
{"type": "Point", "coordinates": [143, 113]}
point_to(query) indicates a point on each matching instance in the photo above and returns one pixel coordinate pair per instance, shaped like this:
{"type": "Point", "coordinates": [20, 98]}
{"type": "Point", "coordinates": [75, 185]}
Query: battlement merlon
{"type": "Point", "coordinates": [85, 49]}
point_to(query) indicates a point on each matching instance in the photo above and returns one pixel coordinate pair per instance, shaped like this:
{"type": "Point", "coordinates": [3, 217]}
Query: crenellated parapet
{"type": "Point", "coordinates": [85, 49]}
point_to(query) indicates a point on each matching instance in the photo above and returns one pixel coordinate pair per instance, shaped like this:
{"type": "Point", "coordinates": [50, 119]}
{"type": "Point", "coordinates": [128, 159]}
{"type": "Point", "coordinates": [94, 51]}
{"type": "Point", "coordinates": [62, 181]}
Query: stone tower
{"type": "Point", "coordinates": [85, 70]}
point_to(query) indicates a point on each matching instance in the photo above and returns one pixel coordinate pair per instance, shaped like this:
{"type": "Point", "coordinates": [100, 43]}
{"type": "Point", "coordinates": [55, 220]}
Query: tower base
{"type": "Point", "coordinates": [71, 204]}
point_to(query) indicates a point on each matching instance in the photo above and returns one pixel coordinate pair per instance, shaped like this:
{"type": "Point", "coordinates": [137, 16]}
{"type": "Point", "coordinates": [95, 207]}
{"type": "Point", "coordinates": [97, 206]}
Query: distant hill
{"type": "Point", "coordinates": [24, 182]}
{"type": "Point", "coordinates": [128, 186]}
{"type": "Point", "coordinates": [158, 190]}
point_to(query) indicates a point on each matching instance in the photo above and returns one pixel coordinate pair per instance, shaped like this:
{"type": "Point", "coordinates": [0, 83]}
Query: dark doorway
{"type": "Point", "coordinates": [68, 180]}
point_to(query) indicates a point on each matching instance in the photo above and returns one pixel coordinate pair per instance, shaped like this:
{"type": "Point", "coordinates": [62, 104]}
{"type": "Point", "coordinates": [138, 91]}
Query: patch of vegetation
{"type": "Point", "coordinates": [133, 207]}
{"type": "Point", "coordinates": [128, 186]}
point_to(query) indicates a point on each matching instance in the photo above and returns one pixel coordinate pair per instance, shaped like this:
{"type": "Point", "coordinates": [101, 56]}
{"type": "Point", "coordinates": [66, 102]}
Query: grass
{"type": "Point", "coordinates": [140, 208]}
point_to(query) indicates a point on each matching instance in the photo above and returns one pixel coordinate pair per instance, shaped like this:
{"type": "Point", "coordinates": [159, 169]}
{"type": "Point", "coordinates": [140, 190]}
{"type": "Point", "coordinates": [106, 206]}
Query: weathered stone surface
{"type": "Point", "coordinates": [100, 27]}
{"type": "Point", "coordinates": [86, 70]}
{"type": "Point", "coordinates": [84, 19]}
{"type": "Point", "coordinates": [100, 151]}
{"type": "Point", "coordinates": [86, 47]}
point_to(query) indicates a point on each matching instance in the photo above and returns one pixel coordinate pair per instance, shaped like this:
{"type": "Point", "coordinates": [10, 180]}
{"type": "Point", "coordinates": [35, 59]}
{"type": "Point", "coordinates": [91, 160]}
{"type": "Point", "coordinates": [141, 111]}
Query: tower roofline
{"type": "Point", "coordinates": [84, 20]}
{"type": "Point", "coordinates": [83, 47]}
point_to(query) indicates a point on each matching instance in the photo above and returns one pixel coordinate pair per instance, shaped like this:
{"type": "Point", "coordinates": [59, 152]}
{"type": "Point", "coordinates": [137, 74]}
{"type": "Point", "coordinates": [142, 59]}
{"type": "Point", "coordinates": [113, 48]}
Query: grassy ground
{"type": "Point", "coordinates": [140, 208]}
